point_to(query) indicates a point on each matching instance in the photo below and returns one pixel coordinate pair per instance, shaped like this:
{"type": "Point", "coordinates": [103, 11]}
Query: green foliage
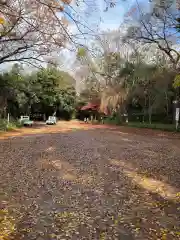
{"type": "Point", "coordinates": [158, 126]}
{"type": "Point", "coordinates": [48, 90]}
{"type": "Point", "coordinates": [115, 119]}
{"type": "Point", "coordinates": [3, 124]}
{"type": "Point", "coordinates": [178, 24]}
{"type": "Point", "coordinates": [81, 52]}
{"type": "Point", "coordinates": [176, 83]}
{"type": "Point", "coordinates": [132, 85]}
{"type": "Point", "coordinates": [12, 125]}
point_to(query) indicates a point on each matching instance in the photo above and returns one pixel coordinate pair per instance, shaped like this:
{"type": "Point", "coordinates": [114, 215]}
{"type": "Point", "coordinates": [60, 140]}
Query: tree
{"type": "Point", "coordinates": [51, 87]}
{"type": "Point", "coordinates": [176, 83]}
{"type": "Point", "coordinates": [107, 75]}
{"type": "Point", "coordinates": [125, 79]}
{"type": "Point", "coordinates": [31, 30]}
{"type": "Point", "coordinates": [178, 24]}
{"type": "Point", "coordinates": [157, 28]}
{"type": "Point", "coordinates": [11, 82]}
{"type": "Point", "coordinates": [45, 91]}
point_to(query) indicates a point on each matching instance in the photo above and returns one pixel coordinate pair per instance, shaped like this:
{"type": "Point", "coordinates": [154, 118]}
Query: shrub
{"type": "Point", "coordinates": [12, 125]}
{"type": "Point", "coordinates": [114, 119]}
{"type": "Point", "coordinates": [3, 125]}
{"type": "Point", "coordinates": [160, 126]}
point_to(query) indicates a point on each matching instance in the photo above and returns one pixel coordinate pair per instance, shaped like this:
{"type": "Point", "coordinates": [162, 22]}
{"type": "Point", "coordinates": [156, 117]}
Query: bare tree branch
{"type": "Point", "coordinates": [158, 29]}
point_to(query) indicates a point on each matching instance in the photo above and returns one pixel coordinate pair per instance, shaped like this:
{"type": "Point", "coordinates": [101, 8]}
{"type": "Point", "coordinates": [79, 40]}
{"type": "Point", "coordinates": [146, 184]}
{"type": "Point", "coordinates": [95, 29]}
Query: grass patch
{"type": "Point", "coordinates": [3, 125]}
{"type": "Point", "coordinates": [159, 126]}
{"type": "Point", "coordinates": [112, 120]}
{"type": "Point", "coordinates": [12, 125]}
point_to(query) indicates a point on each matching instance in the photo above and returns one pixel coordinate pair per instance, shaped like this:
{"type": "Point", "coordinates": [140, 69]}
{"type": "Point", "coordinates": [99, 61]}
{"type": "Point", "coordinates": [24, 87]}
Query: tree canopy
{"type": "Point", "coordinates": [132, 84]}
{"type": "Point", "coordinates": [133, 68]}
{"type": "Point", "coordinates": [45, 91]}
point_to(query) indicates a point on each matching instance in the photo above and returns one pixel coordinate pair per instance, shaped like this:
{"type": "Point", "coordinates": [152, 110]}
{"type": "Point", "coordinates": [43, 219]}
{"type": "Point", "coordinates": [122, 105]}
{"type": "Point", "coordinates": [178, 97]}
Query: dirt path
{"type": "Point", "coordinates": [81, 181]}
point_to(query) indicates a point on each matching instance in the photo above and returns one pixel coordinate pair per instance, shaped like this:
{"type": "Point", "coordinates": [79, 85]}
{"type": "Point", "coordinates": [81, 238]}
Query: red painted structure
{"type": "Point", "coordinates": [93, 107]}
{"type": "Point", "coordinates": [90, 106]}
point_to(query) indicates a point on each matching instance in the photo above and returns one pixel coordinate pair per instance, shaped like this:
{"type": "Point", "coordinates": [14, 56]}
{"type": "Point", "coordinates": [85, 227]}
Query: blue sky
{"type": "Point", "coordinates": [92, 14]}
{"type": "Point", "coordinates": [110, 20]}
{"type": "Point", "coordinates": [95, 18]}
{"type": "Point", "coordinates": [115, 16]}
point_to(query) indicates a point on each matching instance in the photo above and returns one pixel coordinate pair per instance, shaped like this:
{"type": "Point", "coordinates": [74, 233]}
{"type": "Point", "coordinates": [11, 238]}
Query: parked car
{"type": "Point", "coordinates": [25, 120]}
{"type": "Point", "coordinates": [51, 120]}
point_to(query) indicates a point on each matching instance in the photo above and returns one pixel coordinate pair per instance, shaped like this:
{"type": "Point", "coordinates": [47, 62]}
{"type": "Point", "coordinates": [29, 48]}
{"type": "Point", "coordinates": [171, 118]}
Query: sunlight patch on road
{"type": "Point", "coordinates": [116, 131]}
{"type": "Point", "coordinates": [61, 127]}
{"type": "Point", "coordinates": [69, 176]}
{"type": "Point", "coordinates": [152, 185]}
{"type": "Point", "coordinates": [66, 171]}
{"type": "Point", "coordinates": [7, 226]}
{"type": "Point", "coordinates": [126, 140]}
{"type": "Point", "coordinates": [50, 149]}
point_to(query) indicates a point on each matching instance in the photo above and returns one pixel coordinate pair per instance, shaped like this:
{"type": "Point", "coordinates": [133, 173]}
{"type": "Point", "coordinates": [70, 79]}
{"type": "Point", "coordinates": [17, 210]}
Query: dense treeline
{"type": "Point", "coordinates": [136, 70]}
{"type": "Point", "coordinates": [144, 91]}
{"type": "Point", "coordinates": [39, 94]}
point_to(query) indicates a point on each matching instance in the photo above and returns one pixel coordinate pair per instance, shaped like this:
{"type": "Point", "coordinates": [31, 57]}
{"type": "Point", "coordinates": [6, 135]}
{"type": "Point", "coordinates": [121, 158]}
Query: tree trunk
{"type": "Point", "coordinates": [167, 104]}
{"type": "Point", "coordinates": [144, 110]}
{"type": "Point", "coordinates": [91, 118]}
{"type": "Point", "coordinates": [119, 114]}
{"type": "Point", "coordinates": [150, 117]}
{"type": "Point", "coordinates": [149, 110]}
{"type": "Point", "coordinates": [5, 109]}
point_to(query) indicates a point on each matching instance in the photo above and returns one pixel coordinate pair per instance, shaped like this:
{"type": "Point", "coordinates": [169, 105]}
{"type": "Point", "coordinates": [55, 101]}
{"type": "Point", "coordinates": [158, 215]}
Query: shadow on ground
{"type": "Point", "coordinates": [89, 184]}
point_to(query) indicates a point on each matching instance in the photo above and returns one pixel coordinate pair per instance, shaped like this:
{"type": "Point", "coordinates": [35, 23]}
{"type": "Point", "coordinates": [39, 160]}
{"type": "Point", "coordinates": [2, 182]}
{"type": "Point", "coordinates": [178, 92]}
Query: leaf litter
{"type": "Point", "coordinates": [82, 184]}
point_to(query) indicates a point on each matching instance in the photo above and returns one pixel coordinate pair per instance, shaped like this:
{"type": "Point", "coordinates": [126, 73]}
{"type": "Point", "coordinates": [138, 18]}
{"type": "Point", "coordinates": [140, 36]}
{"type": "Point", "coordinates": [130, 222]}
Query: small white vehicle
{"type": "Point", "coordinates": [25, 120]}
{"type": "Point", "coordinates": [51, 120]}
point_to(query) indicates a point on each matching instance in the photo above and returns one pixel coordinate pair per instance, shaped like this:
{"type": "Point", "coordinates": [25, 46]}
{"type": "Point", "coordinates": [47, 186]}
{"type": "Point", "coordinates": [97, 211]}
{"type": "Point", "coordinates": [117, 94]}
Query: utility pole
{"type": "Point", "coordinates": [177, 113]}
{"type": "Point", "coordinates": [8, 117]}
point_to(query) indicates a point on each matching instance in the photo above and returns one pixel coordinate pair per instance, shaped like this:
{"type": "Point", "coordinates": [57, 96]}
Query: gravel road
{"type": "Point", "coordinates": [81, 181]}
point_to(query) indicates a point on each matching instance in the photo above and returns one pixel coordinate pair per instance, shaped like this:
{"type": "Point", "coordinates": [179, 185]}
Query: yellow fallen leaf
{"type": "Point", "coordinates": [116, 222]}
{"type": "Point", "coordinates": [164, 236]}
{"type": "Point", "coordinates": [2, 20]}
{"type": "Point", "coordinates": [178, 194]}
{"type": "Point", "coordinates": [137, 230]}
